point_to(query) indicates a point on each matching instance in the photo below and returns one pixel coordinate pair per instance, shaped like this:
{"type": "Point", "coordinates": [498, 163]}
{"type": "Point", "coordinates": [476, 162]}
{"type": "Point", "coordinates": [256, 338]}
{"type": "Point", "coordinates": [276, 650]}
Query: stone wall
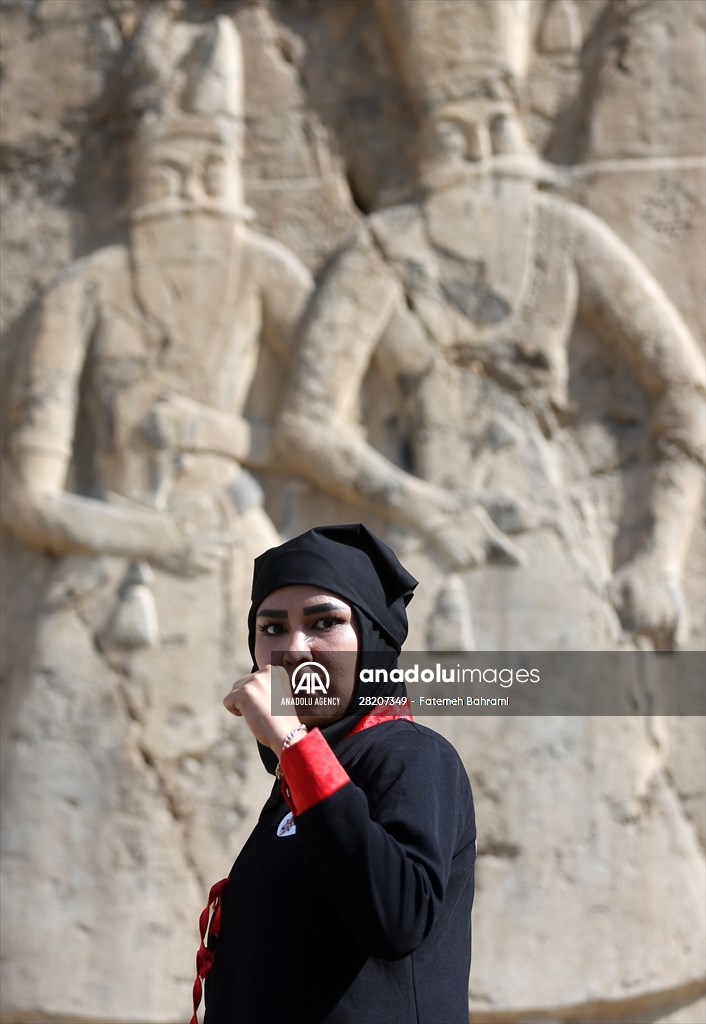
{"type": "Point", "coordinates": [437, 265]}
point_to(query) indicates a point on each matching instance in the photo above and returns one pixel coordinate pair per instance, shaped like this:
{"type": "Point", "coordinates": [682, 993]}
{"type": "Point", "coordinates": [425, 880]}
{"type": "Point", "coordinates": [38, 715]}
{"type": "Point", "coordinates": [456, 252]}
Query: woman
{"type": "Point", "coordinates": [351, 900]}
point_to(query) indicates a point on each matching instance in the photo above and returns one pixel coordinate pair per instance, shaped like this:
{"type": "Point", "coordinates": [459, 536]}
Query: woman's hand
{"type": "Point", "coordinates": [251, 699]}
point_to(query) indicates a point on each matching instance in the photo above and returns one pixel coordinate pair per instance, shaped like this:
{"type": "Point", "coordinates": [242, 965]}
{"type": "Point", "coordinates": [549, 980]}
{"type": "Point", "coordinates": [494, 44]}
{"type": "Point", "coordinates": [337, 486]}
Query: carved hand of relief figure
{"type": "Point", "coordinates": [470, 537]}
{"type": "Point", "coordinates": [191, 552]}
{"type": "Point", "coordinates": [181, 424]}
{"type": "Point", "coordinates": [650, 602]}
{"type": "Point", "coordinates": [45, 516]}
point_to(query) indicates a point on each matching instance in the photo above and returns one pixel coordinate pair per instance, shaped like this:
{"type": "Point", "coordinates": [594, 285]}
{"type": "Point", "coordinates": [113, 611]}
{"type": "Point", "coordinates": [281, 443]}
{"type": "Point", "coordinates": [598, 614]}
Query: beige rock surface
{"type": "Point", "coordinates": [500, 206]}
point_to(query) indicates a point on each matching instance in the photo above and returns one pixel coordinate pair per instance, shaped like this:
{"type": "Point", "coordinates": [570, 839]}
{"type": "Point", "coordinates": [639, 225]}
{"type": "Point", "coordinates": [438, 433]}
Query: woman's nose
{"type": "Point", "coordinates": [297, 649]}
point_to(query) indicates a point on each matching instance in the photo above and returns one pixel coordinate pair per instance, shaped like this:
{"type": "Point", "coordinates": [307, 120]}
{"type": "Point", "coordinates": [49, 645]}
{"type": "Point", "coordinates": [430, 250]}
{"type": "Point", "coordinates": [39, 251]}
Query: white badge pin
{"type": "Point", "coordinates": [287, 826]}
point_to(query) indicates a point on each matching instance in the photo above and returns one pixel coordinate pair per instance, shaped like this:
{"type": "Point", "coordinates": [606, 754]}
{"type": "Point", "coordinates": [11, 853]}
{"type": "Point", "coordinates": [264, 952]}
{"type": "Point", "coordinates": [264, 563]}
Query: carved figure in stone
{"type": "Point", "coordinates": [124, 461]}
{"type": "Point", "coordinates": [466, 301]}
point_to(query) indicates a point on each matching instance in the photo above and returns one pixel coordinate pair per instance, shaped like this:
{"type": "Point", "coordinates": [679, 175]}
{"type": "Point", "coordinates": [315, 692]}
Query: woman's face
{"type": "Point", "coordinates": [303, 624]}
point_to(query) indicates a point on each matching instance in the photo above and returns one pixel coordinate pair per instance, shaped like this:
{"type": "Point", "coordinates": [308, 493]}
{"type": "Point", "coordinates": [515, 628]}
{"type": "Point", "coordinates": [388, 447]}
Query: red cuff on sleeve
{"type": "Point", "coordinates": [311, 771]}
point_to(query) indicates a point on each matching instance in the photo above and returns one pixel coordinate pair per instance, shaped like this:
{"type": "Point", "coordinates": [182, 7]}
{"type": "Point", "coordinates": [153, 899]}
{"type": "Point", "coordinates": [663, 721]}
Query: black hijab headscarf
{"type": "Point", "coordinates": [351, 562]}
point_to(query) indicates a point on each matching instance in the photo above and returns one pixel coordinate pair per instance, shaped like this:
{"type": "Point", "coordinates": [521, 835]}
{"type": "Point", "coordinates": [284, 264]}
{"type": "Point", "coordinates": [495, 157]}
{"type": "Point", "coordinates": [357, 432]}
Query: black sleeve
{"type": "Point", "coordinates": [382, 846]}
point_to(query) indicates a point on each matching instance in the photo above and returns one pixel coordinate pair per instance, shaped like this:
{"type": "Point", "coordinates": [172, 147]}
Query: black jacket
{"type": "Point", "coordinates": [362, 913]}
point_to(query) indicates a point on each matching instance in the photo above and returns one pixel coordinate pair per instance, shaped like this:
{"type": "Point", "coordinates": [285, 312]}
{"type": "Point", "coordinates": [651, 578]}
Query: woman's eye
{"type": "Point", "coordinates": [271, 628]}
{"type": "Point", "coordinates": [327, 622]}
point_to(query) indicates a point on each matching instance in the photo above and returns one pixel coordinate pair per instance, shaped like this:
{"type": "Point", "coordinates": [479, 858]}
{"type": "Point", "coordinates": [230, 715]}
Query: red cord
{"type": "Point", "coordinates": [204, 957]}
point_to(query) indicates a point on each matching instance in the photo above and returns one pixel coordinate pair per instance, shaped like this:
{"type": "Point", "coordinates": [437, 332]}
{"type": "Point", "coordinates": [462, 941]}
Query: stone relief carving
{"type": "Point", "coordinates": [125, 459]}
{"type": "Point", "coordinates": [468, 304]}
{"type": "Point", "coordinates": [455, 369]}
{"type": "Point", "coordinates": [467, 300]}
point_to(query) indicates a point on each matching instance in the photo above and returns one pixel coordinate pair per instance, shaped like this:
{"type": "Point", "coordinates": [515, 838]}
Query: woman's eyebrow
{"type": "Point", "coordinates": [273, 613]}
{"type": "Point", "coordinates": [329, 606]}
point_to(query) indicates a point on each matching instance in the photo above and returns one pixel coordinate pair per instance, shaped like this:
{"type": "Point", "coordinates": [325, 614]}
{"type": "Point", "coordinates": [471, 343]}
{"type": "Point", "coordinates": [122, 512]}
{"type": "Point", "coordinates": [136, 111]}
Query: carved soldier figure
{"type": "Point", "coordinates": [124, 460]}
{"type": "Point", "coordinates": [467, 300]}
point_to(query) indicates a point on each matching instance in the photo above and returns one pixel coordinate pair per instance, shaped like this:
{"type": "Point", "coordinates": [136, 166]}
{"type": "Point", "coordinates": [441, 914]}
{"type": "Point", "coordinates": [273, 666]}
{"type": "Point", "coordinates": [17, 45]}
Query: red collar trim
{"type": "Point", "coordinates": [384, 714]}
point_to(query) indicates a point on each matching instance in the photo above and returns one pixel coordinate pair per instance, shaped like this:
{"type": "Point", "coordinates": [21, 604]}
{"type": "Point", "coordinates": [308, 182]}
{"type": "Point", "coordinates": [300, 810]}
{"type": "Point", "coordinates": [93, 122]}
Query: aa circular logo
{"type": "Point", "coordinates": [310, 677]}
